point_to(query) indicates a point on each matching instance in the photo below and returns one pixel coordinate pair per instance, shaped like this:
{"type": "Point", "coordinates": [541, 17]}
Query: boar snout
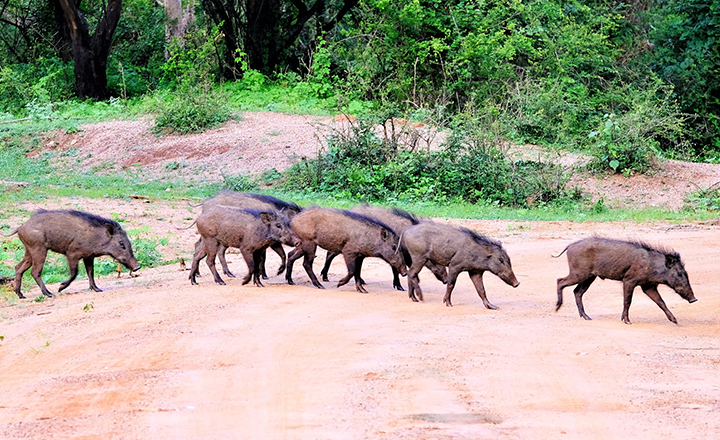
{"type": "Point", "coordinates": [132, 265]}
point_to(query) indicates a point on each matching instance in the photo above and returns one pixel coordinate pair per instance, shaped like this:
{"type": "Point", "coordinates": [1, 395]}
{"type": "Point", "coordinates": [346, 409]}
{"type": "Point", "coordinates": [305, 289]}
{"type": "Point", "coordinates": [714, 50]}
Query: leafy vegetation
{"type": "Point", "coordinates": [469, 166]}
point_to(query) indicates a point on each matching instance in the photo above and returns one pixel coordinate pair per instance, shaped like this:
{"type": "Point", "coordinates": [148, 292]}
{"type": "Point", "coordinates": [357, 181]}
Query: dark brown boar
{"type": "Point", "coordinates": [459, 249]}
{"type": "Point", "coordinates": [632, 262]}
{"type": "Point", "coordinates": [250, 230]}
{"type": "Point", "coordinates": [251, 201]}
{"type": "Point", "coordinates": [77, 235]}
{"type": "Point", "coordinates": [398, 220]}
{"type": "Point", "coordinates": [354, 236]}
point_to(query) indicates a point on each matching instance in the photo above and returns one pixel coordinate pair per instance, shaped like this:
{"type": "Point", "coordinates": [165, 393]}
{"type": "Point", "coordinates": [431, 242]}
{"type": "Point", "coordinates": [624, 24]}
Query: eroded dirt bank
{"type": "Point", "coordinates": [154, 357]}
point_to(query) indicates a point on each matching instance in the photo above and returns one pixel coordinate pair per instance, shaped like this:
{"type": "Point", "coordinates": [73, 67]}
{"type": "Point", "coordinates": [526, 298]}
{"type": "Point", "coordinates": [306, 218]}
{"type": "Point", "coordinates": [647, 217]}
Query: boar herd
{"type": "Point", "coordinates": [255, 222]}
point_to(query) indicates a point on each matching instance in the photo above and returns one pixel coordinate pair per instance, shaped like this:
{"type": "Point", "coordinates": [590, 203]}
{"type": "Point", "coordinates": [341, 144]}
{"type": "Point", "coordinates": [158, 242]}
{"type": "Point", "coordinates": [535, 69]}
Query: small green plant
{"type": "Point", "coordinates": [705, 198]}
{"type": "Point", "coordinates": [237, 182]}
{"type": "Point", "coordinates": [89, 307]}
{"type": "Point", "coordinates": [145, 247]}
{"type": "Point", "coordinates": [40, 298]}
{"type": "Point", "coordinates": [614, 149]}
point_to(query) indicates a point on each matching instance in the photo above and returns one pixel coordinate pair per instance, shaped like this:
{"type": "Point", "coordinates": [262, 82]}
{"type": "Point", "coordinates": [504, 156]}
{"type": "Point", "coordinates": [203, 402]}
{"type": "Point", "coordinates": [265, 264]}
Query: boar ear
{"type": "Point", "coordinates": [110, 228]}
{"type": "Point", "coordinates": [266, 217]}
{"type": "Point", "coordinates": [671, 260]}
{"type": "Point", "coordinates": [384, 233]}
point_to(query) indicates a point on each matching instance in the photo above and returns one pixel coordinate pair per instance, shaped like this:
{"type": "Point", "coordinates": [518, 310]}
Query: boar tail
{"type": "Point", "coordinates": [399, 242]}
{"type": "Point", "coordinates": [12, 233]}
{"type": "Point", "coordinates": [191, 225]}
{"type": "Point", "coordinates": [195, 206]}
{"type": "Point", "coordinates": [558, 255]}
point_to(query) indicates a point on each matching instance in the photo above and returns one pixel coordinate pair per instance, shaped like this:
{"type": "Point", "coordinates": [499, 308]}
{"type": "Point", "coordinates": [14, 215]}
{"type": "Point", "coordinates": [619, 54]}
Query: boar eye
{"type": "Point", "coordinates": [122, 245]}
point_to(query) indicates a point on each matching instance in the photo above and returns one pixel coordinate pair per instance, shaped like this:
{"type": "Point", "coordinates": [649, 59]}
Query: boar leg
{"type": "Point", "coordinates": [90, 269]}
{"type": "Point", "coordinates": [73, 266]}
{"type": "Point", "coordinates": [627, 300]}
{"type": "Point", "coordinates": [278, 248]}
{"type": "Point", "coordinates": [476, 278]}
{"type": "Point", "coordinates": [38, 262]}
{"type": "Point", "coordinates": [211, 247]}
{"type": "Point", "coordinates": [579, 291]}
{"type": "Point", "coordinates": [414, 291]}
{"type": "Point", "coordinates": [20, 269]}
{"type": "Point", "coordinates": [292, 256]}
{"type": "Point", "coordinates": [309, 249]}
{"type": "Point", "coordinates": [259, 255]}
{"type": "Point", "coordinates": [329, 257]}
{"type": "Point", "coordinates": [253, 270]}
{"type": "Point", "coordinates": [199, 254]}
{"type": "Point", "coordinates": [654, 295]}
{"type": "Point", "coordinates": [223, 262]}
{"type": "Point", "coordinates": [452, 278]}
{"type": "Point", "coordinates": [354, 264]}
{"type": "Point", "coordinates": [562, 283]}
{"type": "Point", "coordinates": [396, 280]}
{"type": "Point", "coordinates": [195, 266]}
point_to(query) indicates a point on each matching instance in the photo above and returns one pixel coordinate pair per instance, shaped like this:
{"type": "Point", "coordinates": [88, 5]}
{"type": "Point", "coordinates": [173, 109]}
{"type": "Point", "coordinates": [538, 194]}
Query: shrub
{"type": "Point", "coordinates": [375, 163]}
{"type": "Point", "coordinates": [191, 111]}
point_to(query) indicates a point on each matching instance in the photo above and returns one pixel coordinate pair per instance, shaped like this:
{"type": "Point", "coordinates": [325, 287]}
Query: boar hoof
{"type": "Point", "coordinates": [230, 274]}
{"type": "Point", "coordinates": [49, 295]}
{"type": "Point", "coordinates": [96, 288]}
{"type": "Point", "coordinates": [221, 282]}
{"type": "Point", "coordinates": [399, 287]}
{"type": "Point", "coordinates": [325, 278]}
{"type": "Point", "coordinates": [448, 304]}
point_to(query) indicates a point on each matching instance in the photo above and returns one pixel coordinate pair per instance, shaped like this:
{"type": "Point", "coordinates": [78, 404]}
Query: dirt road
{"type": "Point", "coordinates": [156, 358]}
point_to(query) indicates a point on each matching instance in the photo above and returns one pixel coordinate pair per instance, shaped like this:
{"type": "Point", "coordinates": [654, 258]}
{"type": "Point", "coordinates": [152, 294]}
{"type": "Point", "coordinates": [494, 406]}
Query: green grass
{"type": "Point", "coordinates": [47, 180]}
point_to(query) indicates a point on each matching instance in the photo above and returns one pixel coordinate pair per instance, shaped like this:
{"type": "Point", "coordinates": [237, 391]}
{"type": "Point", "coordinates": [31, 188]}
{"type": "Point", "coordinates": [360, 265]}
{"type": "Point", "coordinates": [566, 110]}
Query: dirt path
{"type": "Point", "coordinates": [154, 357]}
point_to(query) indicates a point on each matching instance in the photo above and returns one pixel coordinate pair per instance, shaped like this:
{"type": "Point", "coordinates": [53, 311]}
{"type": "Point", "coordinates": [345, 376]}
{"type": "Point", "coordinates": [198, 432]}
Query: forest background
{"type": "Point", "coordinates": [625, 83]}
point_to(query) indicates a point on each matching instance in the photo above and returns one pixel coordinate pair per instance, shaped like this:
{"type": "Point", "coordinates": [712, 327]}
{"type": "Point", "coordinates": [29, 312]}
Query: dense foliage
{"type": "Point", "coordinates": [625, 82]}
{"type": "Point", "coordinates": [393, 167]}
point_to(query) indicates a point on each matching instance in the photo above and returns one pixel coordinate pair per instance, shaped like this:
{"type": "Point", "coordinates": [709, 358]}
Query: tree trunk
{"type": "Point", "coordinates": [90, 54]}
{"type": "Point", "coordinates": [177, 21]}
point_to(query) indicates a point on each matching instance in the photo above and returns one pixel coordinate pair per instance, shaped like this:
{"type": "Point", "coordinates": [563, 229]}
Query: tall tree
{"type": "Point", "coordinates": [266, 30]}
{"type": "Point", "coordinates": [90, 52]}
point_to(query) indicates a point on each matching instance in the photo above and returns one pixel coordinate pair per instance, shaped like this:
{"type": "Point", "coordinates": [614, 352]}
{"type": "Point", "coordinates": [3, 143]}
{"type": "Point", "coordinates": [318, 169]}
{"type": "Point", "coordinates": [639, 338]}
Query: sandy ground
{"type": "Point", "coordinates": [153, 357]}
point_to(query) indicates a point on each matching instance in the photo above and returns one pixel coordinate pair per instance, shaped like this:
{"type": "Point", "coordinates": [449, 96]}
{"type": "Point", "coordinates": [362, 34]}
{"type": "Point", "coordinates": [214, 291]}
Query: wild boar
{"type": "Point", "coordinates": [459, 249]}
{"type": "Point", "coordinates": [633, 262]}
{"type": "Point", "coordinates": [353, 235]}
{"type": "Point", "coordinates": [251, 201]}
{"type": "Point", "coordinates": [250, 230]}
{"type": "Point", "coordinates": [75, 234]}
{"type": "Point", "coordinates": [398, 220]}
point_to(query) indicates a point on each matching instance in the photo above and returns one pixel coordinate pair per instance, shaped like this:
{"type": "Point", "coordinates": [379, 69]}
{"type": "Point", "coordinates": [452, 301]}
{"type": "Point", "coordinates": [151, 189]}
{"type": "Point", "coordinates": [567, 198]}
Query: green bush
{"type": "Point", "coordinates": [192, 111]}
{"type": "Point", "coordinates": [192, 104]}
{"type": "Point", "coordinates": [470, 167]}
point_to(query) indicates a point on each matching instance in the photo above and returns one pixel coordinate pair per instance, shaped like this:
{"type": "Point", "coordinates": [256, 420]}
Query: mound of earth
{"type": "Point", "coordinates": [264, 141]}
